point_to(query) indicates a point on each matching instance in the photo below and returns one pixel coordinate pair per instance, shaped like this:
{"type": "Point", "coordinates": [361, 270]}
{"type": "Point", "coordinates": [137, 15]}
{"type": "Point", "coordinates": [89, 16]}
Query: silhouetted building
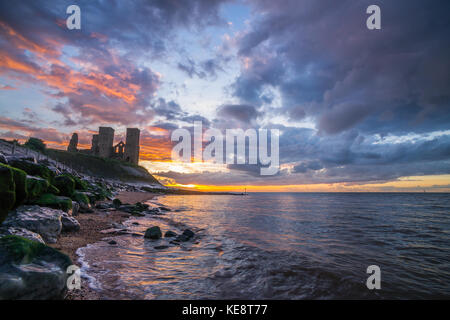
{"type": "Point", "coordinates": [102, 145]}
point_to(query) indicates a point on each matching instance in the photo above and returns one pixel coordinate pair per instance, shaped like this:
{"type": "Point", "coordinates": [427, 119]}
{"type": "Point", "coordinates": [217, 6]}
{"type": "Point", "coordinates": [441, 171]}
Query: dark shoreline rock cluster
{"type": "Point", "coordinates": [38, 202]}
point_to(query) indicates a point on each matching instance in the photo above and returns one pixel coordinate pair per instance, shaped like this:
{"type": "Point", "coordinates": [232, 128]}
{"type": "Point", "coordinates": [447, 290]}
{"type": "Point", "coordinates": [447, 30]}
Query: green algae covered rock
{"type": "Point", "coordinates": [31, 270]}
{"type": "Point", "coordinates": [55, 202]}
{"type": "Point", "coordinates": [65, 185]}
{"type": "Point", "coordinates": [7, 191]}
{"type": "Point", "coordinates": [36, 186]}
{"type": "Point", "coordinates": [32, 169]}
{"type": "Point", "coordinates": [20, 182]}
{"type": "Point", "coordinates": [81, 198]}
{"type": "Point", "coordinates": [53, 189]}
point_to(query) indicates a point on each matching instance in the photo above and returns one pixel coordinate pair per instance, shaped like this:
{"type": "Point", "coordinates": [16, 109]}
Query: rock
{"type": "Point", "coordinates": [170, 234]}
{"type": "Point", "coordinates": [164, 209]}
{"type": "Point", "coordinates": [7, 191]}
{"type": "Point", "coordinates": [21, 232]}
{"type": "Point", "coordinates": [53, 189]}
{"type": "Point", "coordinates": [3, 159]}
{"type": "Point", "coordinates": [136, 223]}
{"type": "Point", "coordinates": [44, 221]}
{"type": "Point", "coordinates": [36, 186]}
{"type": "Point", "coordinates": [31, 168]}
{"type": "Point", "coordinates": [65, 184]}
{"type": "Point", "coordinates": [69, 223]}
{"type": "Point", "coordinates": [31, 270]}
{"type": "Point", "coordinates": [112, 242]}
{"type": "Point", "coordinates": [140, 206]}
{"type": "Point", "coordinates": [153, 233]}
{"type": "Point", "coordinates": [75, 208]}
{"type": "Point", "coordinates": [188, 233]}
{"type": "Point", "coordinates": [102, 206]}
{"type": "Point", "coordinates": [127, 208]}
{"type": "Point", "coordinates": [161, 247]}
{"type": "Point", "coordinates": [117, 203]}
{"type": "Point", "coordinates": [55, 202]}
{"type": "Point", "coordinates": [118, 225]}
{"type": "Point", "coordinates": [182, 238]}
{"type": "Point", "coordinates": [83, 200]}
{"type": "Point", "coordinates": [79, 184]}
{"type": "Point", "coordinates": [20, 182]}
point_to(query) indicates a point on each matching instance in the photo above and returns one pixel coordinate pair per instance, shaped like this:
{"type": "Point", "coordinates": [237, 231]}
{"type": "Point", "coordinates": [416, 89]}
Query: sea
{"type": "Point", "coordinates": [280, 246]}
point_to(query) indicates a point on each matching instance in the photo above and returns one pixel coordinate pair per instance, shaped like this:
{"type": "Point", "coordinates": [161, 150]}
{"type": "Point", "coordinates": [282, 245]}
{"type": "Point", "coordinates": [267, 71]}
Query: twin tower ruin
{"type": "Point", "coordinates": [103, 145]}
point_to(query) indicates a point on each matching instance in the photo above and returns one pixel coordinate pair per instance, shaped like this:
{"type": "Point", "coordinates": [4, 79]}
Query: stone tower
{"type": "Point", "coordinates": [132, 146]}
{"type": "Point", "coordinates": [94, 148]}
{"type": "Point", "coordinates": [105, 141]}
{"type": "Point", "coordinates": [73, 143]}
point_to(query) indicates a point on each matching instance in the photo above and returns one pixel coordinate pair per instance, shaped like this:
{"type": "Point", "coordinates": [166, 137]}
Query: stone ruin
{"type": "Point", "coordinates": [73, 143]}
{"type": "Point", "coordinates": [103, 145]}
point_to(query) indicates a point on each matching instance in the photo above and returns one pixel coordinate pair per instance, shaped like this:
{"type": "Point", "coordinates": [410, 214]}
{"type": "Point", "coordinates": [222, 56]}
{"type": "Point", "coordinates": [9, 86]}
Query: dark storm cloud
{"type": "Point", "coordinates": [240, 112]}
{"type": "Point", "coordinates": [345, 76]}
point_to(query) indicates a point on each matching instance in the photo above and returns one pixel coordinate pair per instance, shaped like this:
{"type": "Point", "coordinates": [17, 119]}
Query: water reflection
{"type": "Point", "coordinates": [283, 246]}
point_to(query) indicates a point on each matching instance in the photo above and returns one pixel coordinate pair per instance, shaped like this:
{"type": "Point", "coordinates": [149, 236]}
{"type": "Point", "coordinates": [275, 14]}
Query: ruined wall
{"type": "Point", "coordinates": [105, 141]}
{"type": "Point", "coordinates": [73, 144]}
{"type": "Point", "coordinates": [94, 148]}
{"type": "Point", "coordinates": [132, 146]}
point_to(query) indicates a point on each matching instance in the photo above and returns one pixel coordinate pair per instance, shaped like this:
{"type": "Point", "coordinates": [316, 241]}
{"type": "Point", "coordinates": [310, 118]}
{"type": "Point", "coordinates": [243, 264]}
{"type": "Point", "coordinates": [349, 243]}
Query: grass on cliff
{"type": "Point", "coordinates": [102, 167]}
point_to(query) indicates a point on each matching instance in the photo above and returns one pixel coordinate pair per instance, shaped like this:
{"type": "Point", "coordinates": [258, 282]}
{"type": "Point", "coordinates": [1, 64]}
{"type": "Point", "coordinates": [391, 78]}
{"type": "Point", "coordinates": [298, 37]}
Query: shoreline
{"type": "Point", "coordinates": [90, 226]}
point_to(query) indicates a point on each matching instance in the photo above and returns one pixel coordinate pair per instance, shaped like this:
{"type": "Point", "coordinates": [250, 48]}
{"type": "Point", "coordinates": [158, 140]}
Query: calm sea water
{"type": "Point", "coordinates": [283, 246]}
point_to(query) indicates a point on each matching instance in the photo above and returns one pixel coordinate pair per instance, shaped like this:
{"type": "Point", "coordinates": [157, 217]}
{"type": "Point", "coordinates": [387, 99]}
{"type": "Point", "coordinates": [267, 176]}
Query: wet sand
{"type": "Point", "coordinates": [90, 226]}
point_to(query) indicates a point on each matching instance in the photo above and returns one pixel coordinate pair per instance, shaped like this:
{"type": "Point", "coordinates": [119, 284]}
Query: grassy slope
{"type": "Point", "coordinates": [101, 167]}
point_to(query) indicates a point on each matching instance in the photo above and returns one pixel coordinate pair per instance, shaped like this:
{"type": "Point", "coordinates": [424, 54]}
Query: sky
{"type": "Point", "coordinates": [357, 109]}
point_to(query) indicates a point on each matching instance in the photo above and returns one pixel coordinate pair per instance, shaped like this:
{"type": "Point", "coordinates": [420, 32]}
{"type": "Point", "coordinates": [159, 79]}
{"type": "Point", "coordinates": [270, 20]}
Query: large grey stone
{"type": "Point", "coordinates": [69, 223]}
{"type": "Point", "coordinates": [21, 232]}
{"type": "Point", "coordinates": [42, 220]}
{"type": "Point", "coordinates": [31, 270]}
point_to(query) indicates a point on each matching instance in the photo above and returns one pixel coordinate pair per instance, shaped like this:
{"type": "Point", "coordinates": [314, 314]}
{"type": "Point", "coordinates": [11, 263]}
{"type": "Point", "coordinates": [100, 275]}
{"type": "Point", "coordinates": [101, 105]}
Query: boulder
{"type": "Point", "coordinates": [31, 168]}
{"type": "Point", "coordinates": [80, 184]}
{"type": "Point", "coordinates": [53, 189]}
{"type": "Point", "coordinates": [36, 186]}
{"type": "Point", "coordinates": [153, 233]}
{"type": "Point", "coordinates": [65, 185]}
{"type": "Point", "coordinates": [20, 182]}
{"type": "Point", "coordinates": [103, 206]}
{"type": "Point", "coordinates": [44, 221]}
{"type": "Point", "coordinates": [170, 234]}
{"type": "Point", "coordinates": [75, 208]}
{"type": "Point", "coordinates": [182, 238]}
{"type": "Point", "coordinates": [21, 232]}
{"type": "Point", "coordinates": [117, 203]}
{"type": "Point", "coordinates": [188, 233]}
{"type": "Point", "coordinates": [69, 223]}
{"type": "Point", "coordinates": [3, 159]}
{"type": "Point", "coordinates": [7, 191]}
{"type": "Point", "coordinates": [83, 200]}
{"type": "Point", "coordinates": [31, 270]}
{"type": "Point", "coordinates": [55, 202]}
